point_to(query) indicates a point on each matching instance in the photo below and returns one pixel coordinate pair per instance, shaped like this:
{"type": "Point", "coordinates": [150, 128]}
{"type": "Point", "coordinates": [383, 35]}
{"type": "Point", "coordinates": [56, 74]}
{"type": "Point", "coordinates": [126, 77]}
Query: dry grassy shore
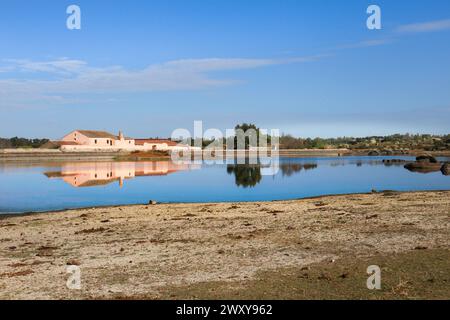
{"type": "Point", "coordinates": [301, 249]}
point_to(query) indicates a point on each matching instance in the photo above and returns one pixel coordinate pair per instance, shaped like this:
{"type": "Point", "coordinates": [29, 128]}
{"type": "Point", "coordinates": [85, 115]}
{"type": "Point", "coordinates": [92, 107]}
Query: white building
{"type": "Point", "coordinates": [91, 140]}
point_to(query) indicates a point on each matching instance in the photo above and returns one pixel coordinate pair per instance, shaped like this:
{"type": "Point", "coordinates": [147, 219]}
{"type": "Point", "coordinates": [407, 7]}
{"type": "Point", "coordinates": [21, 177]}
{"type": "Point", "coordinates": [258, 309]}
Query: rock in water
{"type": "Point", "coordinates": [423, 167]}
{"type": "Point", "coordinates": [152, 202]}
{"type": "Point", "coordinates": [426, 158]}
{"type": "Point", "coordinates": [446, 169]}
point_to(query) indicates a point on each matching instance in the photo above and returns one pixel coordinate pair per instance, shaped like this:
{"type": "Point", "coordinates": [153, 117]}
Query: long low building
{"type": "Point", "coordinates": [92, 140]}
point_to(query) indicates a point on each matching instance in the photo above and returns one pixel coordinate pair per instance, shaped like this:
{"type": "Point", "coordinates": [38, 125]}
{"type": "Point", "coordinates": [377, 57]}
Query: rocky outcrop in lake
{"type": "Point", "coordinates": [427, 164]}
{"type": "Point", "coordinates": [429, 159]}
{"type": "Point", "coordinates": [446, 169]}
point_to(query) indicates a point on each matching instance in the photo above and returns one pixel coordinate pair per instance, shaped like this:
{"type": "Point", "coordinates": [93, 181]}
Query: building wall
{"type": "Point", "coordinates": [123, 143]}
{"type": "Point", "coordinates": [77, 137]}
{"type": "Point", "coordinates": [86, 144]}
{"type": "Point", "coordinates": [130, 148]}
{"type": "Point", "coordinates": [81, 139]}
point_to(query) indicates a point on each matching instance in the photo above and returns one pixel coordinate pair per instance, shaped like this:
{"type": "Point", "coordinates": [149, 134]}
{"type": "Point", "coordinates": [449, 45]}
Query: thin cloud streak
{"type": "Point", "coordinates": [431, 26]}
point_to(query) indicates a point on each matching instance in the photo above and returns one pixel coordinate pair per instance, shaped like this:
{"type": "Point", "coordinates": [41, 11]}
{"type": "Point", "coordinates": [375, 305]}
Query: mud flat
{"type": "Point", "coordinates": [302, 249]}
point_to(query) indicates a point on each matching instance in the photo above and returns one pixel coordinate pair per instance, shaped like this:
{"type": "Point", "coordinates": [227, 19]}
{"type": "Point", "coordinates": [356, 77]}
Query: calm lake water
{"type": "Point", "coordinates": [61, 185]}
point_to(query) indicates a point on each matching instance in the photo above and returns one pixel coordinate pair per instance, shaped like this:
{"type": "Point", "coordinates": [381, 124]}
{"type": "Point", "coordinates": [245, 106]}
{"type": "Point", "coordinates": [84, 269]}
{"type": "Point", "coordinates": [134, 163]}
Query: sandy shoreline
{"type": "Point", "coordinates": [28, 213]}
{"type": "Point", "coordinates": [172, 250]}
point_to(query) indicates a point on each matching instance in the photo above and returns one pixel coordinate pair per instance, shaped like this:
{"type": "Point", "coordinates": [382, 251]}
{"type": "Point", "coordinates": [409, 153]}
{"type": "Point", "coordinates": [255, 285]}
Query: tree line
{"type": "Point", "coordinates": [16, 142]}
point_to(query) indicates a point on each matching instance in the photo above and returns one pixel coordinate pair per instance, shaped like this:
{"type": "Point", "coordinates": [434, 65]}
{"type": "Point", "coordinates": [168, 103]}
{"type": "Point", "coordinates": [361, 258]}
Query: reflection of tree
{"type": "Point", "coordinates": [288, 169]}
{"type": "Point", "coordinates": [246, 175]}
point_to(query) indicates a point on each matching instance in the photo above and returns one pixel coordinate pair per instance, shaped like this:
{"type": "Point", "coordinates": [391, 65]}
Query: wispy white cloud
{"type": "Point", "coordinates": [367, 43]}
{"type": "Point", "coordinates": [54, 80]}
{"type": "Point", "coordinates": [430, 26]}
{"type": "Point", "coordinates": [61, 66]}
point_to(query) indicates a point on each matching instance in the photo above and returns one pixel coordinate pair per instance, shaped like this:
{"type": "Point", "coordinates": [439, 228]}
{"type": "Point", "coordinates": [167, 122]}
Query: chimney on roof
{"type": "Point", "coordinates": [121, 137]}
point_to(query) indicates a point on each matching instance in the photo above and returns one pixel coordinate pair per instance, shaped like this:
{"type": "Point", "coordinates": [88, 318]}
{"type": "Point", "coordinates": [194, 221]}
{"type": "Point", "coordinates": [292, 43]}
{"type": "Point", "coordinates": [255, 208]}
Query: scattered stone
{"type": "Point", "coordinates": [93, 230]}
{"type": "Point", "coordinates": [73, 262]}
{"type": "Point", "coordinates": [152, 202]}
{"type": "Point", "coordinates": [320, 204]}
{"type": "Point", "coordinates": [46, 248]}
{"type": "Point", "coordinates": [420, 248]}
{"type": "Point", "coordinates": [190, 215]}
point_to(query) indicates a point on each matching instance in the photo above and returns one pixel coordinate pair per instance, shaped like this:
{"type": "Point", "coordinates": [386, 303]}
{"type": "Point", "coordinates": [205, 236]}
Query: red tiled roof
{"type": "Point", "coordinates": [141, 142]}
{"type": "Point", "coordinates": [97, 134]}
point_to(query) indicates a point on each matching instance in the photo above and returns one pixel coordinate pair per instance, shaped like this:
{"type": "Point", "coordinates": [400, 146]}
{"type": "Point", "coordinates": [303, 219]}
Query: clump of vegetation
{"type": "Point", "coordinates": [21, 143]}
{"type": "Point", "coordinates": [144, 155]}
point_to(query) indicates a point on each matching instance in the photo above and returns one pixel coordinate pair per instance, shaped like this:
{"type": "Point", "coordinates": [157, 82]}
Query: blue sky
{"type": "Point", "coordinates": [309, 68]}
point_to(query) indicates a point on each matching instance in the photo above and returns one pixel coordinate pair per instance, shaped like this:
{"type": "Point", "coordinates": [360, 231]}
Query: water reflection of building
{"type": "Point", "coordinates": [103, 173]}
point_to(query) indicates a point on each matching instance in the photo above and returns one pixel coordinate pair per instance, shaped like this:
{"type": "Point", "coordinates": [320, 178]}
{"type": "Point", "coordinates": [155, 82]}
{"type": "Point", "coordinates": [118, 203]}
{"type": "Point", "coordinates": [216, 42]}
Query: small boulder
{"type": "Point", "coordinates": [446, 169]}
{"type": "Point", "coordinates": [152, 202]}
{"type": "Point", "coordinates": [73, 262]}
{"type": "Point", "coordinates": [423, 167]}
{"type": "Point", "coordinates": [373, 153]}
{"type": "Point", "coordinates": [426, 158]}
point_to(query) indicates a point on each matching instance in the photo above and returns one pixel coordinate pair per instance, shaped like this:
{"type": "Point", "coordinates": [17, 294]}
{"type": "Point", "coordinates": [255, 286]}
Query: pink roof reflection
{"type": "Point", "coordinates": [90, 174]}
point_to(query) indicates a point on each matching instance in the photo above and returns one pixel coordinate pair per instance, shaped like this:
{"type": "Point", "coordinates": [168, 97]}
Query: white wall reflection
{"type": "Point", "coordinates": [90, 174]}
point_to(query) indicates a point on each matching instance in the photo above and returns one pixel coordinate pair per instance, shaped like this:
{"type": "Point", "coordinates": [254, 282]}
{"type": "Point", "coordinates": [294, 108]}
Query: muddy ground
{"type": "Point", "coordinates": [303, 249]}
